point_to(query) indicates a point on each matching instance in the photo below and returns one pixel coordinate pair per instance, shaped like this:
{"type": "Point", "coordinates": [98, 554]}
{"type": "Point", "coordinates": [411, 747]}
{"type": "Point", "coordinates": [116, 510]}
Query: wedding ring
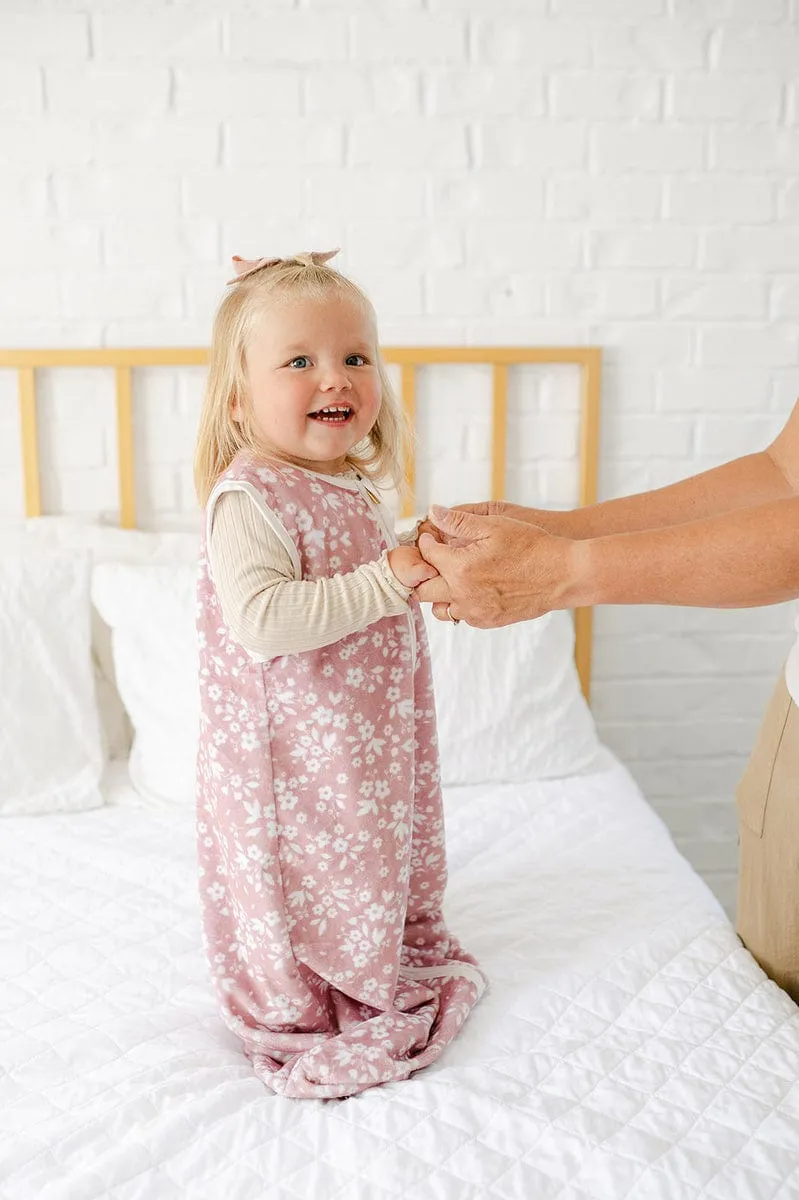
{"type": "Point", "coordinates": [454, 620]}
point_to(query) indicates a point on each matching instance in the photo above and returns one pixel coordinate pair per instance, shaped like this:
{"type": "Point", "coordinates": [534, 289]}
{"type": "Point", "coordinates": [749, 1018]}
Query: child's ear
{"type": "Point", "coordinates": [236, 410]}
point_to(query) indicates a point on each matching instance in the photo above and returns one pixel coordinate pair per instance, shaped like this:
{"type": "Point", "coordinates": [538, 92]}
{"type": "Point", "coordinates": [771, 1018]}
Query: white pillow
{"type": "Point", "coordinates": [509, 701]}
{"type": "Point", "coordinates": [105, 543]}
{"type": "Point", "coordinates": [151, 613]}
{"type": "Point", "coordinates": [50, 741]}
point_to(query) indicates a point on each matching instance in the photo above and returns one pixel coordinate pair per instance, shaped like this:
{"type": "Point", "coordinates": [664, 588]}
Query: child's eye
{"type": "Point", "coordinates": [360, 363]}
{"type": "Point", "coordinates": [301, 360]}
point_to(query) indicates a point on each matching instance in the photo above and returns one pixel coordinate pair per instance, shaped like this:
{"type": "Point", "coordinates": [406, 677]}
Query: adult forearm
{"type": "Point", "coordinates": [743, 483]}
{"type": "Point", "coordinates": [734, 560]}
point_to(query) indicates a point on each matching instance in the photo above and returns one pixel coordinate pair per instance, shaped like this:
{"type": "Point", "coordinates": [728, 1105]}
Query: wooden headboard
{"type": "Point", "coordinates": [408, 358]}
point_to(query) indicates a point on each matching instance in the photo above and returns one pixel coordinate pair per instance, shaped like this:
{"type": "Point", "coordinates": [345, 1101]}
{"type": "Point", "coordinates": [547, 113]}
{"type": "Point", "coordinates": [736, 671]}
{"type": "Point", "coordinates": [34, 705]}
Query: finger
{"type": "Point", "coordinates": [435, 552]}
{"type": "Point", "coordinates": [420, 572]}
{"type": "Point", "coordinates": [440, 612]}
{"type": "Point", "coordinates": [434, 591]}
{"type": "Point", "coordinates": [456, 523]}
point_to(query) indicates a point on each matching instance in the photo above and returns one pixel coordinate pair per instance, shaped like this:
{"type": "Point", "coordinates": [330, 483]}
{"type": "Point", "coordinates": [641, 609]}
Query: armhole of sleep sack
{"type": "Point", "coordinates": [272, 520]}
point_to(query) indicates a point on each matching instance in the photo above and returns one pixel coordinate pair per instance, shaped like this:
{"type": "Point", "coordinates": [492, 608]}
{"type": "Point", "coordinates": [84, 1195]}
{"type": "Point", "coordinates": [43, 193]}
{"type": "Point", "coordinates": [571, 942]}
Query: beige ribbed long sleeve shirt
{"type": "Point", "coordinates": [267, 609]}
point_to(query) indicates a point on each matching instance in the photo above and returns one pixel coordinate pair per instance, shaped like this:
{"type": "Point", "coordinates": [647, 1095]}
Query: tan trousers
{"type": "Point", "coordinates": [768, 808]}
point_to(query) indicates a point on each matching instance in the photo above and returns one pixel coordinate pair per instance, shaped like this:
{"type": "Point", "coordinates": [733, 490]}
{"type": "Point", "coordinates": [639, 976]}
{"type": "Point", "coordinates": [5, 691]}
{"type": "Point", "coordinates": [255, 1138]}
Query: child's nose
{"type": "Point", "coordinates": [336, 379]}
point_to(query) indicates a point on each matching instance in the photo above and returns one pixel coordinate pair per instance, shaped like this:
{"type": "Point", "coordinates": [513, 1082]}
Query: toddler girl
{"type": "Point", "coordinates": [321, 840]}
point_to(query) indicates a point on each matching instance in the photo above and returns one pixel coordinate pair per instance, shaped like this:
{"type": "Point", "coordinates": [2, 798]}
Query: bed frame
{"type": "Point", "coordinates": [499, 358]}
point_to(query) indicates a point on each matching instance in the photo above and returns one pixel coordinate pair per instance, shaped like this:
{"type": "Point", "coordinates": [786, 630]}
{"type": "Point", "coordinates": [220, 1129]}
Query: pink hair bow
{"type": "Point", "coordinates": [248, 266]}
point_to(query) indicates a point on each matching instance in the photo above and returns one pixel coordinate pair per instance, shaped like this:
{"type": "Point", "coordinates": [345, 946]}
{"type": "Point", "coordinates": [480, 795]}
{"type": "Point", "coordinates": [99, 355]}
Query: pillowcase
{"type": "Point", "coordinates": [50, 741]}
{"type": "Point", "coordinates": [105, 543]}
{"type": "Point", "coordinates": [509, 703]}
{"type": "Point", "coordinates": [151, 614]}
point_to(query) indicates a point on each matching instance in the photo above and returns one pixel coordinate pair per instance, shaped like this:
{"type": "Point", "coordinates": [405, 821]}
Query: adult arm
{"type": "Point", "coordinates": [727, 539]}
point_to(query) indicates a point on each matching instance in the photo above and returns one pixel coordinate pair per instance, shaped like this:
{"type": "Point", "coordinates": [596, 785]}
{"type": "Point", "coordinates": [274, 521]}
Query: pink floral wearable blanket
{"type": "Point", "coordinates": [320, 830]}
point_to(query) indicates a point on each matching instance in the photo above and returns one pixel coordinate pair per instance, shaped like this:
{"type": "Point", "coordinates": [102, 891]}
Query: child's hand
{"type": "Point", "coordinates": [409, 567]}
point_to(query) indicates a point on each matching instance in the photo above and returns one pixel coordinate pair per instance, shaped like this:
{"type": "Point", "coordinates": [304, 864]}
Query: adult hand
{"type": "Point", "coordinates": [495, 570]}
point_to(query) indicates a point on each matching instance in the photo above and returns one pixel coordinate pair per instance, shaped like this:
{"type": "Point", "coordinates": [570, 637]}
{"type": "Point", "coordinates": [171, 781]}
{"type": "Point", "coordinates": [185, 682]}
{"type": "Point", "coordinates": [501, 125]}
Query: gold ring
{"type": "Point", "coordinates": [454, 620]}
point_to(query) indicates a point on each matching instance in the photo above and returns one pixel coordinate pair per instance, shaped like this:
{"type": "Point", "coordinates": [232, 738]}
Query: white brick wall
{"type": "Point", "coordinates": [613, 171]}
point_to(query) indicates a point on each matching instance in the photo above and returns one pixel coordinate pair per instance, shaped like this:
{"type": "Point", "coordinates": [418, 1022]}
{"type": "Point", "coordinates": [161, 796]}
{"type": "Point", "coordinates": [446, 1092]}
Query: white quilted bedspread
{"type": "Point", "coordinates": [627, 1047]}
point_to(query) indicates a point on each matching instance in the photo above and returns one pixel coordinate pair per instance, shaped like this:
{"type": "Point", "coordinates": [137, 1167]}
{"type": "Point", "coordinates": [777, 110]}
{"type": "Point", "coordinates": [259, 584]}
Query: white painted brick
{"type": "Point", "coordinates": [43, 244]}
{"type": "Point", "coordinates": [747, 249]}
{"type": "Point", "coordinates": [715, 12]}
{"type": "Point", "coordinates": [684, 655]}
{"type": "Point", "coordinates": [461, 293]}
{"type": "Point", "coordinates": [599, 96]}
{"type": "Point", "coordinates": [734, 344]}
{"type": "Point", "coordinates": [670, 148]}
{"type": "Point", "coordinates": [363, 192]}
{"type": "Point", "coordinates": [26, 37]}
{"type": "Point", "coordinates": [513, 194]}
{"type": "Point", "coordinates": [29, 295]}
{"type": "Point", "coordinates": [24, 196]}
{"type": "Point", "coordinates": [389, 91]}
{"type": "Point", "coordinates": [784, 390]}
{"type": "Point", "coordinates": [179, 243]}
{"type": "Point", "coordinates": [427, 38]}
{"type": "Point", "coordinates": [645, 345]}
{"type": "Point", "coordinates": [86, 493]}
{"type": "Point", "coordinates": [398, 142]}
{"type": "Point", "coordinates": [528, 8]}
{"type": "Point", "coordinates": [603, 201]}
{"type": "Point", "coordinates": [706, 855]}
{"type": "Point", "coordinates": [107, 89]}
{"type": "Point", "coordinates": [243, 194]}
{"type": "Point", "coordinates": [57, 333]}
{"type": "Point", "coordinates": [59, 143]}
{"type": "Point", "coordinates": [731, 439]}
{"type": "Point", "coordinates": [609, 10]}
{"type": "Point", "coordinates": [110, 295]}
{"type": "Point", "coordinates": [301, 141]}
{"type": "Point", "coordinates": [754, 148]}
{"type": "Point", "coordinates": [759, 49]}
{"type": "Point", "coordinates": [240, 90]}
{"type": "Point", "coordinates": [700, 296]}
{"type": "Point", "coordinates": [158, 35]}
{"type": "Point", "coordinates": [699, 739]}
{"type": "Point", "coordinates": [785, 299]}
{"type": "Point", "coordinates": [539, 43]}
{"type": "Point", "coordinates": [485, 92]}
{"type": "Point", "coordinates": [652, 45]}
{"type": "Point", "coordinates": [169, 142]}
{"type": "Point", "coordinates": [542, 147]}
{"type": "Point", "coordinates": [714, 779]}
{"type": "Point", "coordinates": [289, 37]}
{"type": "Point", "coordinates": [516, 245]}
{"type": "Point", "coordinates": [628, 436]}
{"type": "Point", "coordinates": [404, 244]}
{"type": "Point", "coordinates": [91, 193]}
{"type": "Point", "coordinates": [655, 699]}
{"type": "Point", "coordinates": [658, 246]}
{"type": "Point", "coordinates": [629, 390]}
{"type": "Point", "coordinates": [155, 331]}
{"type": "Point", "coordinates": [21, 90]}
{"type": "Point", "coordinates": [732, 390]}
{"type": "Point", "coordinates": [620, 295]}
{"type": "Point", "coordinates": [728, 97]}
{"type": "Point", "coordinates": [719, 200]}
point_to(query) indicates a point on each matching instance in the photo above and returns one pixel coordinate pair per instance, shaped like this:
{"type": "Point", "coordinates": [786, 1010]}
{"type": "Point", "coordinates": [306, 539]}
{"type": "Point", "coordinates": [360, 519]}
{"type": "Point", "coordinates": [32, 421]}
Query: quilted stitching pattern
{"type": "Point", "coordinates": [628, 1046]}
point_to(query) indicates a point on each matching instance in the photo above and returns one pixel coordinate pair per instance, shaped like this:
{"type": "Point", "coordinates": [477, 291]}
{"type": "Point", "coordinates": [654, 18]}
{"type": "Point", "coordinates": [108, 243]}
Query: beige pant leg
{"type": "Point", "coordinates": [768, 808]}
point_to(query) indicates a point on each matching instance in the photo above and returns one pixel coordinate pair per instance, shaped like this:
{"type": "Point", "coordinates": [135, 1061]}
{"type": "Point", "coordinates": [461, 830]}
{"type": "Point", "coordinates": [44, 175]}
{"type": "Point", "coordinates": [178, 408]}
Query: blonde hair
{"type": "Point", "coordinates": [220, 436]}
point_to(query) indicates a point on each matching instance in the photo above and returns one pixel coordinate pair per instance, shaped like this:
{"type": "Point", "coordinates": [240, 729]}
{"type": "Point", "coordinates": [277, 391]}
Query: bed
{"type": "Point", "coordinates": [627, 1046]}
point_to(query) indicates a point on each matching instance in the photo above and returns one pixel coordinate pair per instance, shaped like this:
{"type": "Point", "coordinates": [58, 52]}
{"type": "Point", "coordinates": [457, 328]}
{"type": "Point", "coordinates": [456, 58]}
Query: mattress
{"type": "Point", "coordinates": [628, 1046]}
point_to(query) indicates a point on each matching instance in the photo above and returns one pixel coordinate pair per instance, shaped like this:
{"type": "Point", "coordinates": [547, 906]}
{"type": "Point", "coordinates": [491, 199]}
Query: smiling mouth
{"type": "Point", "coordinates": [334, 414]}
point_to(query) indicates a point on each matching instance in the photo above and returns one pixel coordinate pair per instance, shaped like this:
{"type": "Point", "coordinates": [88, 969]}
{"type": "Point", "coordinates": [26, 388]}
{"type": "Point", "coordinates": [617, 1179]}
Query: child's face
{"type": "Point", "coordinates": [306, 356]}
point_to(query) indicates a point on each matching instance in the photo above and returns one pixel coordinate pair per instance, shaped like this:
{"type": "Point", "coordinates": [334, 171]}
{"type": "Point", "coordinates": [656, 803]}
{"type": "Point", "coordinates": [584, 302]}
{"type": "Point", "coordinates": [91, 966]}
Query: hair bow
{"type": "Point", "coordinates": [248, 266]}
